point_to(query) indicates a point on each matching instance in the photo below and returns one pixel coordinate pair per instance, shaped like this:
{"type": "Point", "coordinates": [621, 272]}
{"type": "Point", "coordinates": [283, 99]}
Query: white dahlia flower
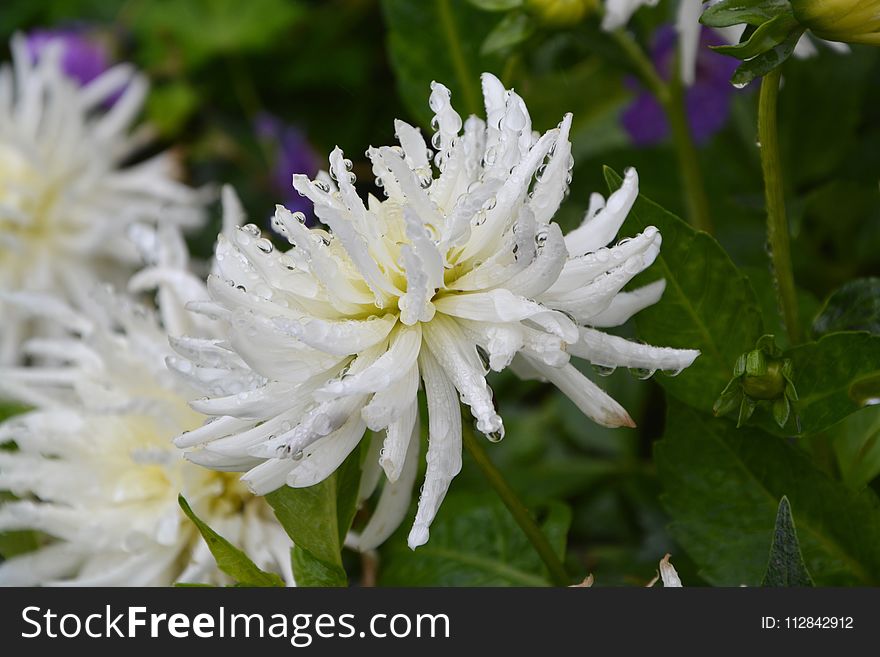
{"type": "Point", "coordinates": [95, 469]}
{"type": "Point", "coordinates": [448, 278]}
{"type": "Point", "coordinates": [68, 192]}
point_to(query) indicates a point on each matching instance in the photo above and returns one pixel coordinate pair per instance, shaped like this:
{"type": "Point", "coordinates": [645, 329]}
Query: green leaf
{"type": "Point", "coordinates": [856, 443]}
{"type": "Point", "coordinates": [834, 377]}
{"type": "Point", "coordinates": [475, 542]}
{"type": "Point", "coordinates": [17, 542]}
{"type": "Point", "coordinates": [312, 571]}
{"type": "Point", "coordinates": [766, 61]}
{"type": "Point", "coordinates": [786, 565]}
{"type": "Point", "coordinates": [765, 291]}
{"type": "Point", "coordinates": [230, 559]}
{"type": "Point", "coordinates": [438, 40]}
{"type": "Point", "coordinates": [317, 519]}
{"type": "Point", "coordinates": [722, 485]}
{"type": "Point", "coordinates": [512, 30]}
{"type": "Point", "coordinates": [708, 303]}
{"type": "Point", "coordinates": [853, 307]}
{"type": "Point", "coordinates": [201, 30]}
{"type": "Point", "coordinates": [750, 12]}
{"type": "Point", "coordinates": [769, 35]}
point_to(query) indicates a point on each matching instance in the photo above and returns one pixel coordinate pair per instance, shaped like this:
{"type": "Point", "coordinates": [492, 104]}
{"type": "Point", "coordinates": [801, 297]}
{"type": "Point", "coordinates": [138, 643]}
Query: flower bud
{"type": "Point", "coordinates": [562, 13]}
{"type": "Point", "coordinates": [850, 21]}
{"type": "Point", "coordinates": [761, 376]}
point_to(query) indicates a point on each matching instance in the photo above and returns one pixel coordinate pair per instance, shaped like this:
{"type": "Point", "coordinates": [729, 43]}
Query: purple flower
{"type": "Point", "coordinates": [707, 101]}
{"type": "Point", "coordinates": [292, 154]}
{"type": "Point", "coordinates": [82, 58]}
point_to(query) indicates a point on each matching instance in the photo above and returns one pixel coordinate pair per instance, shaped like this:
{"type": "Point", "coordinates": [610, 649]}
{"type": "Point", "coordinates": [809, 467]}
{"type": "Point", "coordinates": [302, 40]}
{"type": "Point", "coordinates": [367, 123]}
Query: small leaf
{"type": "Point", "coordinates": [750, 12]}
{"type": "Point", "coordinates": [853, 307]}
{"type": "Point", "coordinates": [513, 29]}
{"type": "Point", "coordinates": [766, 61]}
{"type": "Point", "coordinates": [769, 35]}
{"type": "Point", "coordinates": [786, 566]}
{"type": "Point", "coordinates": [230, 559]}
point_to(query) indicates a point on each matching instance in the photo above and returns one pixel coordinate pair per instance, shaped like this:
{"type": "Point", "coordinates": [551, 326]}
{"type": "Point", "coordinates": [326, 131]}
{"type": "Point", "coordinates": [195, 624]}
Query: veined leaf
{"type": "Point", "coordinates": [722, 486]}
{"type": "Point", "coordinates": [475, 542]}
{"type": "Point", "coordinates": [708, 303]}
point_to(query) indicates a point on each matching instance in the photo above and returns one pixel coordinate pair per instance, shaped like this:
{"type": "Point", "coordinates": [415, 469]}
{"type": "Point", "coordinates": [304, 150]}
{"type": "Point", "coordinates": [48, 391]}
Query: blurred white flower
{"type": "Point", "coordinates": [95, 468]}
{"type": "Point", "coordinates": [446, 279]}
{"type": "Point", "coordinates": [67, 191]}
{"type": "Point", "coordinates": [618, 12]}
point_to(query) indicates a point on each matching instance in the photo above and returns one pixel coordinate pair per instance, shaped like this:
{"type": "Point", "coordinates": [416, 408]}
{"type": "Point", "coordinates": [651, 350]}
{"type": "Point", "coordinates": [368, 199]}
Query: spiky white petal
{"type": "Point", "coordinates": [94, 467]}
{"type": "Point", "coordinates": [458, 272]}
{"type": "Point", "coordinates": [68, 195]}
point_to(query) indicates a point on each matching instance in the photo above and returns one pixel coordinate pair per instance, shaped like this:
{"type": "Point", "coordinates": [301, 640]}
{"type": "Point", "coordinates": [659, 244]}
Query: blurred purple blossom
{"type": "Point", "coordinates": [707, 101]}
{"type": "Point", "coordinates": [82, 58]}
{"type": "Point", "coordinates": [292, 153]}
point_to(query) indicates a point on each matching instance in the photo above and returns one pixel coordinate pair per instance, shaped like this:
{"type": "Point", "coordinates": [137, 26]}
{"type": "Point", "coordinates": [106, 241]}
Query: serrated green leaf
{"type": "Point", "coordinates": [230, 559]}
{"type": "Point", "coordinates": [722, 485]}
{"type": "Point", "coordinates": [769, 35]}
{"type": "Point", "coordinates": [786, 564]}
{"type": "Point", "coordinates": [513, 29]}
{"type": "Point", "coordinates": [835, 377]}
{"type": "Point", "coordinates": [708, 303]}
{"type": "Point", "coordinates": [474, 542]}
{"type": "Point", "coordinates": [853, 307]}
{"type": "Point", "coordinates": [438, 40]}
{"type": "Point", "coordinates": [750, 12]}
{"type": "Point", "coordinates": [317, 519]}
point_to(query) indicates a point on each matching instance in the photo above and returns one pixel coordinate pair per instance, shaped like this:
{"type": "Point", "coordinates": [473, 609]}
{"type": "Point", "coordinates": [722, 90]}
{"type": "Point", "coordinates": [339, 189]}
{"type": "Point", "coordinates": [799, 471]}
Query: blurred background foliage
{"type": "Point", "coordinates": [339, 72]}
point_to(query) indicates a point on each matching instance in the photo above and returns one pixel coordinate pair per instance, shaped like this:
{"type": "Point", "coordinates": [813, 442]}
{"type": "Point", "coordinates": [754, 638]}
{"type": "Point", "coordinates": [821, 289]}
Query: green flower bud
{"type": "Point", "coordinates": [562, 13]}
{"type": "Point", "coordinates": [850, 21]}
{"type": "Point", "coordinates": [760, 376]}
{"type": "Point", "coordinates": [767, 385]}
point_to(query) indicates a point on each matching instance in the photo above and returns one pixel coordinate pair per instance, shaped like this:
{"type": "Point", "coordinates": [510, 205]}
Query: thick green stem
{"type": "Point", "coordinates": [671, 98]}
{"type": "Point", "coordinates": [517, 509]}
{"type": "Point", "coordinates": [774, 194]}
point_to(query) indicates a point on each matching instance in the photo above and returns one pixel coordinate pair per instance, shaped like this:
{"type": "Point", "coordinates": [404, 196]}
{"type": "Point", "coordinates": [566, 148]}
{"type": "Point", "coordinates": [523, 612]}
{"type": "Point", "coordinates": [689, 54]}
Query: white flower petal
{"type": "Point", "coordinates": [587, 396]}
{"type": "Point", "coordinates": [444, 446]}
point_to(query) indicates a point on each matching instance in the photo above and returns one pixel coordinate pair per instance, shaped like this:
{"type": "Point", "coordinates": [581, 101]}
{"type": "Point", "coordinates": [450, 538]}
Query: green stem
{"type": "Point", "coordinates": [696, 201]}
{"type": "Point", "coordinates": [643, 66]}
{"type": "Point", "coordinates": [517, 509]}
{"type": "Point", "coordinates": [671, 98]}
{"type": "Point", "coordinates": [777, 226]}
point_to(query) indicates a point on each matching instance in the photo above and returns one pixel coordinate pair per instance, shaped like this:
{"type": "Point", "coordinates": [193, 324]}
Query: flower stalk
{"type": "Point", "coordinates": [516, 507]}
{"type": "Point", "coordinates": [670, 95]}
{"type": "Point", "coordinates": [777, 225]}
